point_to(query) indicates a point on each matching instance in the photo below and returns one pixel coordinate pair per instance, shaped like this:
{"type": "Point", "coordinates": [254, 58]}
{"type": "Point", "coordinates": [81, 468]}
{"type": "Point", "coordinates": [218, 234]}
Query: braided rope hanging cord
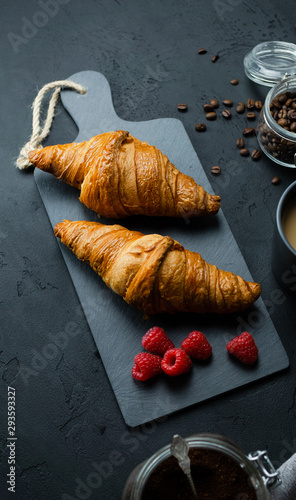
{"type": "Point", "coordinates": [38, 133]}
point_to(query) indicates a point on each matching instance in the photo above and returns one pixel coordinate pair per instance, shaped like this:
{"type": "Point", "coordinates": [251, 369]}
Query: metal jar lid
{"type": "Point", "coordinates": [269, 62]}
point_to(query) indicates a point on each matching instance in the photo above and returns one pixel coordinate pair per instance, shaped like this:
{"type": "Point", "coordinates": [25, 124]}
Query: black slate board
{"type": "Point", "coordinates": [117, 328]}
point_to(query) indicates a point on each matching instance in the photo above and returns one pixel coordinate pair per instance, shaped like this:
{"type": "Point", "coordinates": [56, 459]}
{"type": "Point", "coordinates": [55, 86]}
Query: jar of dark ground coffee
{"type": "Point", "coordinates": [273, 64]}
{"type": "Point", "coordinates": [219, 468]}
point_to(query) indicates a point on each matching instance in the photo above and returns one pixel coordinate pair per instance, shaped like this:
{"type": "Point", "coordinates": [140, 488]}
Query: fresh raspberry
{"type": "Point", "coordinates": [244, 348]}
{"type": "Point", "coordinates": [175, 362]}
{"type": "Point", "coordinates": [197, 346]}
{"type": "Point", "coordinates": [157, 341]}
{"type": "Point", "coordinates": [146, 366]}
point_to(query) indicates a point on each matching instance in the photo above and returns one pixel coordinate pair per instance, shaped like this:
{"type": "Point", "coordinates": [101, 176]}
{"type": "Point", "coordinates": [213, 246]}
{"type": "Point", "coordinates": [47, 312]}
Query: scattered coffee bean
{"type": "Point", "coordinates": [226, 114]}
{"type": "Point", "coordinates": [228, 102]}
{"type": "Point", "coordinates": [276, 180]}
{"type": "Point", "coordinates": [202, 51]}
{"type": "Point", "coordinates": [251, 115]}
{"type": "Point", "coordinates": [240, 108]}
{"type": "Point", "coordinates": [211, 116]}
{"type": "Point", "coordinates": [248, 131]}
{"type": "Point", "coordinates": [200, 127]}
{"type": "Point", "coordinates": [293, 127]}
{"type": "Point", "coordinates": [182, 107]}
{"type": "Point", "coordinates": [256, 154]}
{"type": "Point", "coordinates": [215, 58]}
{"type": "Point", "coordinates": [208, 107]}
{"type": "Point", "coordinates": [216, 170]}
{"type": "Point", "coordinates": [214, 103]}
{"type": "Point", "coordinates": [250, 103]}
{"type": "Point", "coordinates": [258, 105]}
{"type": "Point", "coordinates": [234, 81]}
{"type": "Point", "coordinates": [244, 152]}
{"type": "Point", "coordinates": [240, 142]}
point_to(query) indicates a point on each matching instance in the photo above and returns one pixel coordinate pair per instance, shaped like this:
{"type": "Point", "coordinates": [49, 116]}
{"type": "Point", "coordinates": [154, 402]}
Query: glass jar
{"type": "Point", "coordinates": [259, 471]}
{"type": "Point", "coordinates": [277, 143]}
{"type": "Point", "coordinates": [273, 64]}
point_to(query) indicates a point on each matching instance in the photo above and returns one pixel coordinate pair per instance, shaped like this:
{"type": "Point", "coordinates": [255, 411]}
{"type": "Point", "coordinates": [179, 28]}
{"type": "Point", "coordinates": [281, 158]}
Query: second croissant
{"type": "Point", "coordinates": [155, 273]}
{"type": "Point", "coordinates": [119, 175]}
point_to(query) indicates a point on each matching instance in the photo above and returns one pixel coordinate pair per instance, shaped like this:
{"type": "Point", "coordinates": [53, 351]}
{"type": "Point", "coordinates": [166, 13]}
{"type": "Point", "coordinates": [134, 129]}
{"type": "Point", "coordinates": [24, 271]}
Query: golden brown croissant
{"type": "Point", "coordinates": [119, 176]}
{"type": "Point", "coordinates": [155, 273]}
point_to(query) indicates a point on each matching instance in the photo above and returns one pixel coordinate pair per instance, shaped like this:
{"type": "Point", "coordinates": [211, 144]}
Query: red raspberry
{"type": "Point", "coordinates": [175, 362]}
{"type": "Point", "coordinates": [197, 346]}
{"type": "Point", "coordinates": [244, 348]}
{"type": "Point", "coordinates": [157, 341]}
{"type": "Point", "coordinates": [146, 366]}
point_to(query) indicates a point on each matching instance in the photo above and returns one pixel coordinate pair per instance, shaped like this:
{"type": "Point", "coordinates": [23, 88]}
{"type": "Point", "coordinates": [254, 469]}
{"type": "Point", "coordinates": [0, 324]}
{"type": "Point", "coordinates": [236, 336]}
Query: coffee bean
{"type": "Point", "coordinates": [211, 116]}
{"type": "Point", "coordinates": [293, 127]}
{"type": "Point", "coordinates": [228, 102]}
{"type": "Point", "coordinates": [200, 127]}
{"type": "Point", "coordinates": [258, 105]}
{"type": "Point", "coordinates": [244, 152]}
{"type": "Point", "coordinates": [202, 51]}
{"type": "Point", "coordinates": [250, 103]}
{"type": "Point", "coordinates": [214, 103]}
{"type": "Point", "coordinates": [282, 113]}
{"type": "Point", "coordinates": [283, 122]}
{"type": "Point", "coordinates": [216, 170]}
{"type": "Point", "coordinates": [251, 115]}
{"type": "Point", "coordinates": [291, 114]}
{"type": "Point", "coordinates": [240, 142]}
{"type": "Point", "coordinates": [215, 58]}
{"type": "Point", "coordinates": [234, 81]}
{"type": "Point", "coordinates": [208, 107]}
{"type": "Point", "coordinates": [293, 105]}
{"type": "Point", "coordinates": [256, 154]}
{"type": "Point", "coordinates": [248, 131]}
{"type": "Point", "coordinates": [182, 107]}
{"type": "Point", "coordinates": [276, 180]}
{"type": "Point", "coordinates": [226, 114]}
{"type": "Point", "coordinates": [240, 108]}
{"type": "Point", "coordinates": [282, 98]}
{"type": "Point", "coordinates": [275, 104]}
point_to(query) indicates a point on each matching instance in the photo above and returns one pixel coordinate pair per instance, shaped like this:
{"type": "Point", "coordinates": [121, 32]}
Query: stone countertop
{"type": "Point", "coordinates": [72, 442]}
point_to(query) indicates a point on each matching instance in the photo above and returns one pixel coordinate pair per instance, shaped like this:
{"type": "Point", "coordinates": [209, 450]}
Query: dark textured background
{"type": "Point", "coordinates": [68, 422]}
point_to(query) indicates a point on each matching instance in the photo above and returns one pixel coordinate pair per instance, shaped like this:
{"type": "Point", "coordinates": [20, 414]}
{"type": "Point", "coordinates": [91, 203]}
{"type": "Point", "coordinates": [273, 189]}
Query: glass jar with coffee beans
{"type": "Point", "coordinates": [277, 123]}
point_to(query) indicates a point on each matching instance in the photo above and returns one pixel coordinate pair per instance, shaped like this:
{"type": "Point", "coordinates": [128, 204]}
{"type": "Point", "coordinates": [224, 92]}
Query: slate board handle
{"type": "Point", "coordinates": [93, 110]}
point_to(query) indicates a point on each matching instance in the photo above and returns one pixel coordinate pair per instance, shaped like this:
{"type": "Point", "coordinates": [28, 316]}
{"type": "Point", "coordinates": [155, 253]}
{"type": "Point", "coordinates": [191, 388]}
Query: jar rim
{"type": "Point", "coordinates": [206, 441]}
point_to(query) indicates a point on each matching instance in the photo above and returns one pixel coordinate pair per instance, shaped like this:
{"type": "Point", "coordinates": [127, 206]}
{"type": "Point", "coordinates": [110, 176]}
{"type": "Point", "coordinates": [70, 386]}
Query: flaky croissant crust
{"type": "Point", "coordinates": [155, 273]}
{"type": "Point", "coordinates": [119, 175]}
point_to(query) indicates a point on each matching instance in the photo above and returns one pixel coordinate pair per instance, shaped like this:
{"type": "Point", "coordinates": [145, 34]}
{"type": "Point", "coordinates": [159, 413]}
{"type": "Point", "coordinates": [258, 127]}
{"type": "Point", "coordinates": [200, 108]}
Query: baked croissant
{"type": "Point", "coordinates": [155, 273]}
{"type": "Point", "coordinates": [120, 176]}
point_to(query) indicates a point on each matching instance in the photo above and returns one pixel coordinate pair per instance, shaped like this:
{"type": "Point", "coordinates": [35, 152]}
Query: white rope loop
{"type": "Point", "coordinates": [38, 134]}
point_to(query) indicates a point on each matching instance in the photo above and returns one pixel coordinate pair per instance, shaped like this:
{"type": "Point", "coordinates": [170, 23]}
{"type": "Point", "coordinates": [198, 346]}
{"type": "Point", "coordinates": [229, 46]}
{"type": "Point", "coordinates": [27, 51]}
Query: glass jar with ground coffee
{"type": "Point", "coordinates": [273, 64]}
{"type": "Point", "coordinates": [219, 468]}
